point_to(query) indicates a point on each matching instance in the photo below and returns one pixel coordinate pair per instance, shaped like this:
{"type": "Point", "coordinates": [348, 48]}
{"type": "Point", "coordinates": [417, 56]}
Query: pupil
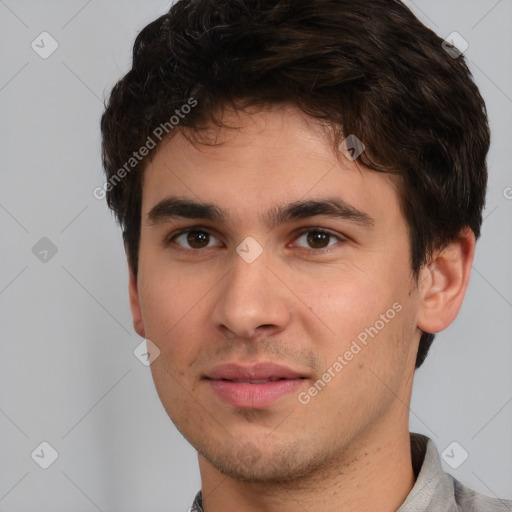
{"type": "Point", "coordinates": [317, 238]}
{"type": "Point", "coordinates": [197, 238]}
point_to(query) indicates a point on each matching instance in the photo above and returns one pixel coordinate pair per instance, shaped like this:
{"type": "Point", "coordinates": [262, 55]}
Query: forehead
{"type": "Point", "coordinates": [267, 158]}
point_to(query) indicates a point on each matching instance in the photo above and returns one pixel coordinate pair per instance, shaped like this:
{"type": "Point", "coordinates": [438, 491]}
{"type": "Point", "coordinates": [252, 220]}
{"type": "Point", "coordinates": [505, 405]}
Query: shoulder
{"type": "Point", "coordinates": [471, 501]}
{"type": "Point", "coordinates": [436, 491]}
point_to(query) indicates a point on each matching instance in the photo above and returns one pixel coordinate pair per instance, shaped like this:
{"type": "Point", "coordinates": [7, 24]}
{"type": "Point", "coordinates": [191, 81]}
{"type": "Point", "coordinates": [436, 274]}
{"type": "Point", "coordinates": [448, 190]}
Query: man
{"type": "Point", "coordinates": [300, 187]}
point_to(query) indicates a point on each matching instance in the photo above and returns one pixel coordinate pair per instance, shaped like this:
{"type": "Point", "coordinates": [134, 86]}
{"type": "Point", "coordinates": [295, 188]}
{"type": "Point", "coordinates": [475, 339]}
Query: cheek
{"type": "Point", "coordinates": [359, 315]}
{"type": "Point", "coordinates": [172, 304]}
{"type": "Point", "coordinates": [342, 304]}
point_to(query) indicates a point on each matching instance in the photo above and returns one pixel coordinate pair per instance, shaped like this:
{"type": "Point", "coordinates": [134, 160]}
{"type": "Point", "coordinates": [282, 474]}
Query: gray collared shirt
{"type": "Point", "coordinates": [434, 490]}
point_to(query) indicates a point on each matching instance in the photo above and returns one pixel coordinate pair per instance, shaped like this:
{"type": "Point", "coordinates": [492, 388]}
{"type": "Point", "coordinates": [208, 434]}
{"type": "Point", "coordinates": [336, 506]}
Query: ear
{"type": "Point", "coordinates": [138, 322]}
{"type": "Point", "coordinates": [443, 283]}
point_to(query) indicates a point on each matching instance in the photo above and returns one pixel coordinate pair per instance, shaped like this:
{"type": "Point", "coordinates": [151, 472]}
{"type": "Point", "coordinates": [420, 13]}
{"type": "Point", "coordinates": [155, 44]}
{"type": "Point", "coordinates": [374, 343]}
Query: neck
{"type": "Point", "coordinates": [374, 475]}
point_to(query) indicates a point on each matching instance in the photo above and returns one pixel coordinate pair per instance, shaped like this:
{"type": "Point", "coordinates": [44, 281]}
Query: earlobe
{"type": "Point", "coordinates": [138, 322]}
{"type": "Point", "coordinates": [443, 283]}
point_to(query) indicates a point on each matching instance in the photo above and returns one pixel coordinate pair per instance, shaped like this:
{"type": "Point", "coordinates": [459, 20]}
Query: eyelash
{"type": "Point", "coordinates": [314, 229]}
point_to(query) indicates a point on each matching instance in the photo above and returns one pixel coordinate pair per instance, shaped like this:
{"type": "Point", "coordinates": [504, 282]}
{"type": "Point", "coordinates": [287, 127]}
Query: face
{"type": "Point", "coordinates": [279, 293]}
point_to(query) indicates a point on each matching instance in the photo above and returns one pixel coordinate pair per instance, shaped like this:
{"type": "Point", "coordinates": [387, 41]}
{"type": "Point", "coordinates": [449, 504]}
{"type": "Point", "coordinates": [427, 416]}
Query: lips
{"type": "Point", "coordinates": [254, 387]}
{"type": "Point", "coordinates": [258, 373]}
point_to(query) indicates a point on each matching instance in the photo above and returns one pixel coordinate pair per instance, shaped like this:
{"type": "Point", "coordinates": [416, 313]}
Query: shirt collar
{"type": "Point", "coordinates": [431, 480]}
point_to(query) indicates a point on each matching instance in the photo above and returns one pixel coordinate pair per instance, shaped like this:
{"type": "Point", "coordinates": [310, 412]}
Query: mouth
{"type": "Point", "coordinates": [253, 387]}
{"type": "Point", "coordinates": [261, 381]}
{"type": "Point", "coordinates": [256, 381]}
{"type": "Point", "coordinates": [254, 373]}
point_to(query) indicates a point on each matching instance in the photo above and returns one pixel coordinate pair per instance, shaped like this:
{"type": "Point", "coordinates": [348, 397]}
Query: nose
{"type": "Point", "coordinates": [252, 300]}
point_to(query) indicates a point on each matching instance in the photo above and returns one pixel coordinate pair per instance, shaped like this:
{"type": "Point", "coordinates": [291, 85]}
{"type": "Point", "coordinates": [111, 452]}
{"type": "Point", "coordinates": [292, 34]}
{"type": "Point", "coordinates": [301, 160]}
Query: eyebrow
{"type": "Point", "coordinates": [177, 207]}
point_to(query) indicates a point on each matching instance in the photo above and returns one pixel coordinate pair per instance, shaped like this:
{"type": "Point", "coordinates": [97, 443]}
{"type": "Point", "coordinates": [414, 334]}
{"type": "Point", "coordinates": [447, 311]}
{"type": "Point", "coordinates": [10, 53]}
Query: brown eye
{"type": "Point", "coordinates": [318, 239]}
{"type": "Point", "coordinates": [198, 239]}
{"type": "Point", "coordinates": [194, 239]}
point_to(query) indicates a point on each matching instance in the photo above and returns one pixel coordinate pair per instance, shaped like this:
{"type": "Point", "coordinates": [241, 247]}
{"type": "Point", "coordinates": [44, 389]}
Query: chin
{"type": "Point", "coordinates": [247, 463]}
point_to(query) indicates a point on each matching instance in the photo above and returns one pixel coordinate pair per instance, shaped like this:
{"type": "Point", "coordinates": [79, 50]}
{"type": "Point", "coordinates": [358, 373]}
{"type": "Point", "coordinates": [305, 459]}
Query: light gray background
{"type": "Point", "coordinates": [68, 375]}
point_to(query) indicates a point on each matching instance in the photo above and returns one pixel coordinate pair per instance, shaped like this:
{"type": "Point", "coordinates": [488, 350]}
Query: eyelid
{"type": "Point", "coordinates": [325, 231]}
{"type": "Point", "coordinates": [175, 234]}
{"type": "Point", "coordinates": [307, 229]}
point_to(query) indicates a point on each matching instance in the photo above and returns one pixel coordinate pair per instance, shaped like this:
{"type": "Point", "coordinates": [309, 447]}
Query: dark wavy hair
{"type": "Point", "coordinates": [363, 67]}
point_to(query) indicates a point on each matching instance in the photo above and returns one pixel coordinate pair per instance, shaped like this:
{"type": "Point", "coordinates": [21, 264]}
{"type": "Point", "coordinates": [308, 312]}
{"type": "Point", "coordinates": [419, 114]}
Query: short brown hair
{"type": "Point", "coordinates": [367, 68]}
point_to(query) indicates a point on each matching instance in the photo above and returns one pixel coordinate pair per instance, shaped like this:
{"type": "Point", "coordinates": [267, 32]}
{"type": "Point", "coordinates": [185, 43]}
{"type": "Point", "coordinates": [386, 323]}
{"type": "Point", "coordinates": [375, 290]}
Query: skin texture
{"type": "Point", "coordinates": [294, 305]}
